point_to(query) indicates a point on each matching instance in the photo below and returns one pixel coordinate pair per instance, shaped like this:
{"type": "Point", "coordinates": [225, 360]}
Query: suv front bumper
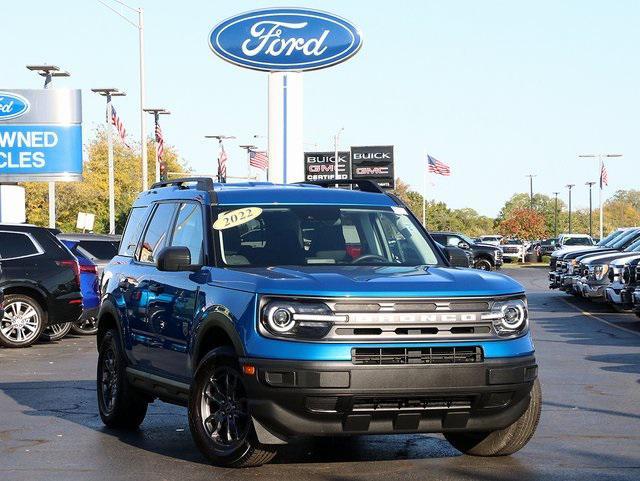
{"type": "Point", "coordinates": [298, 398]}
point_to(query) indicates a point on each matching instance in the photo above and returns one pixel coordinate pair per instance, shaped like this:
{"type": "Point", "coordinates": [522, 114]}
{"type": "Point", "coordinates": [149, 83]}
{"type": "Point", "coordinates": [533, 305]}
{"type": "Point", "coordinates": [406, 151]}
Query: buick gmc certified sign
{"type": "Point", "coordinates": [374, 163]}
{"type": "Point", "coordinates": [321, 165]}
{"type": "Point", "coordinates": [285, 39]}
{"type": "Point", "coordinates": [12, 105]}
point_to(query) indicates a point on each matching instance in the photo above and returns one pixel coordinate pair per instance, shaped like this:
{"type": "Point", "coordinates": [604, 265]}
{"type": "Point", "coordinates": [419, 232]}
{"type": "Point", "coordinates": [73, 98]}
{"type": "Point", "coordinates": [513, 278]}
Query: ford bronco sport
{"type": "Point", "coordinates": [279, 311]}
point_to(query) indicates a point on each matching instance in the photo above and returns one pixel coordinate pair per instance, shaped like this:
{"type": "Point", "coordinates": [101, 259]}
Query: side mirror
{"type": "Point", "coordinates": [455, 259]}
{"type": "Point", "coordinates": [174, 259]}
{"type": "Point", "coordinates": [464, 245]}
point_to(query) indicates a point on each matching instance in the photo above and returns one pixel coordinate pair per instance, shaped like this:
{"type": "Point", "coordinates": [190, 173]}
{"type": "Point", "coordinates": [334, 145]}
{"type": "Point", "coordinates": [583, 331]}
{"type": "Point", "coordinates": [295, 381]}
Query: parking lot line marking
{"type": "Point", "coordinates": [593, 316]}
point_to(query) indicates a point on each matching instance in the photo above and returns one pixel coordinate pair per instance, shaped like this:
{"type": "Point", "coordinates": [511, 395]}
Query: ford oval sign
{"type": "Point", "coordinates": [285, 39]}
{"type": "Point", "coordinates": [12, 105]}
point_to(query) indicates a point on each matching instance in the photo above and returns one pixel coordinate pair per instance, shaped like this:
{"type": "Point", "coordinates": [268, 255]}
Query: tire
{"type": "Point", "coordinates": [483, 264]}
{"type": "Point", "coordinates": [504, 441]}
{"type": "Point", "coordinates": [55, 332]}
{"type": "Point", "coordinates": [119, 404]}
{"type": "Point", "coordinates": [218, 390]}
{"type": "Point", "coordinates": [22, 322]}
{"type": "Point", "coordinates": [85, 327]}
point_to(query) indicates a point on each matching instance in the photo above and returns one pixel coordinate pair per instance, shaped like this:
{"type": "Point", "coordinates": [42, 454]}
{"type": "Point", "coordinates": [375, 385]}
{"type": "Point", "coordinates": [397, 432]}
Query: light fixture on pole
{"type": "Point", "coordinates": [157, 112]}
{"type": "Point", "coordinates": [590, 184]}
{"type": "Point", "coordinates": [336, 159]}
{"type": "Point", "coordinates": [555, 217]}
{"type": "Point", "coordinates": [48, 72]}
{"type": "Point", "coordinates": [570, 186]}
{"type": "Point", "coordinates": [108, 93]}
{"type": "Point", "coordinates": [220, 138]}
{"type": "Point", "coordinates": [600, 158]}
{"type": "Point", "coordinates": [531, 176]}
{"type": "Point", "coordinates": [143, 128]}
{"type": "Point", "coordinates": [248, 148]}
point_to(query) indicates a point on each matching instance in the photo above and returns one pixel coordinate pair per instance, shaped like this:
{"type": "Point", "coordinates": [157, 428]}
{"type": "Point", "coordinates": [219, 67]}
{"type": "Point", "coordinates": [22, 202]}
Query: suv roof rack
{"type": "Point", "coordinates": [365, 185]}
{"type": "Point", "coordinates": [202, 183]}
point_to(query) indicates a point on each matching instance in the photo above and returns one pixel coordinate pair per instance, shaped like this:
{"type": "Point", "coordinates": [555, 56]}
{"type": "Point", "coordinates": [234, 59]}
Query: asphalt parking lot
{"type": "Point", "coordinates": [590, 426]}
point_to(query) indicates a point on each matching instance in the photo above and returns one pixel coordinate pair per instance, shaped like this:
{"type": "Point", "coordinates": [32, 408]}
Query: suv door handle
{"type": "Point", "coordinates": [156, 288]}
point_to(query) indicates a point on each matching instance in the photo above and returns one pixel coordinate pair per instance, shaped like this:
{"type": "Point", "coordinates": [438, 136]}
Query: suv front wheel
{"type": "Point", "coordinates": [119, 404]}
{"type": "Point", "coordinates": [22, 322]}
{"type": "Point", "coordinates": [483, 264]}
{"type": "Point", "coordinates": [504, 441]}
{"type": "Point", "coordinates": [219, 417]}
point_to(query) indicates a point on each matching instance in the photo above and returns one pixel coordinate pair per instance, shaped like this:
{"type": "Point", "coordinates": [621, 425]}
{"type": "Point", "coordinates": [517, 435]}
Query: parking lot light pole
{"type": "Point", "coordinates": [108, 93]}
{"type": "Point", "coordinates": [601, 165]}
{"type": "Point", "coordinates": [531, 176]}
{"type": "Point", "coordinates": [555, 217]}
{"type": "Point", "coordinates": [143, 128]}
{"type": "Point", "coordinates": [590, 184]}
{"type": "Point", "coordinates": [248, 148]}
{"type": "Point", "coordinates": [157, 112]}
{"type": "Point", "coordinates": [570, 186]}
{"type": "Point", "coordinates": [48, 72]}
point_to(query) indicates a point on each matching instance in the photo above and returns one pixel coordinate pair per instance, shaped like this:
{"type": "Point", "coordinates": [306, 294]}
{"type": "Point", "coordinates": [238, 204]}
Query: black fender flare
{"type": "Point", "coordinates": [107, 306]}
{"type": "Point", "coordinates": [215, 320]}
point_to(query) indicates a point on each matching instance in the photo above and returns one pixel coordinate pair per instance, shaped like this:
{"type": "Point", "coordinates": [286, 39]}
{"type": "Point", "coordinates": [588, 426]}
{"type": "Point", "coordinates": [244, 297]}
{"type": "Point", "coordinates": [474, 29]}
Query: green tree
{"type": "Point", "coordinates": [91, 194]}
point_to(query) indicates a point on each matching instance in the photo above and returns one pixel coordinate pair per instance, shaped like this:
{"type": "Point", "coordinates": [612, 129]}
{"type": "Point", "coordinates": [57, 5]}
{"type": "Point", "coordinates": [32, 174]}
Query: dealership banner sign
{"type": "Point", "coordinates": [40, 135]}
{"type": "Point", "coordinates": [374, 163]}
{"type": "Point", "coordinates": [321, 165]}
{"type": "Point", "coordinates": [285, 39]}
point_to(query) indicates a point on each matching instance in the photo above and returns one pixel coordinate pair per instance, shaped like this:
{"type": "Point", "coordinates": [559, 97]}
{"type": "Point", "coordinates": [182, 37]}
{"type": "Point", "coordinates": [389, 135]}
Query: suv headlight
{"type": "Point", "coordinates": [600, 271]}
{"type": "Point", "coordinates": [300, 320]}
{"type": "Point", "coordinates": [510, 317]}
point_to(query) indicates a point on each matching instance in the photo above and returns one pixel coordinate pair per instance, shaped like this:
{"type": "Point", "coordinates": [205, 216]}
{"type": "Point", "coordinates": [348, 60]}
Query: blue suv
{"type": "Point", "coordinates": [279, 311]}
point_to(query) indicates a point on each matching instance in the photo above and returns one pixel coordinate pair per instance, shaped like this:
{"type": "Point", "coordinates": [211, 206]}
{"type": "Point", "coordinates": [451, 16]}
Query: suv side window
{"type": "Point", "coordinates": [16, 244]}
{"type": "Point", "coordinates": [453, 240]}
{"type": "Point", "coordinates": [132, 231]}
{"type": "Point", "coordinates": [189, 232]}
{"type": "Point", "coordinates": [155, 237]}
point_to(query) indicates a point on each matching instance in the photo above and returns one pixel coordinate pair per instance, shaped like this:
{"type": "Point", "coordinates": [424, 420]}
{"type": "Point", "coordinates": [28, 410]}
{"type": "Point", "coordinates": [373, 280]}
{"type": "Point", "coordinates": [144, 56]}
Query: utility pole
{"type": "Point", "coordinates": [336, 159]}
{"type": "Point", "coordinates": [531, 176]}
{"type": "Point", "coordinates": [570, 186]}
{"type": "Point", "coordinates": [600, 158]}
{"type": "Point", "coordinates": [143, 128]}
{"type": "Point", "coordinates": [108, 93]}
{"type": "Point", "coordinates": [48, 72]}
{"type": "Point", "coordinates": [555, 217]}
{"type": "Point", "coordinates": [220, 138]}
{"type": "Point", "coordinates": [157, 112]}
{"type": "Point", "coordinates": [248, 148]}
{"type": "Point", "coordinates": [590, 184]}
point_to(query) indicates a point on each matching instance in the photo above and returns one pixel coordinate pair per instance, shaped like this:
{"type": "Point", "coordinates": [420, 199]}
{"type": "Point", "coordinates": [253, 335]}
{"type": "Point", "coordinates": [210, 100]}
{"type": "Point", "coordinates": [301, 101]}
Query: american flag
{"type": "Point", "coordinates": [604, 177]}
{"type": "Point", "coordinates": [258, 159]}
{"type": "Point", "coordinates": [159, 143]}
{"type": "Point", "coordinates": [115, 120]}
{"type": "Point", "coordinates": [437, 167]}
{"type": "Point", "coordinates": [222, 164]}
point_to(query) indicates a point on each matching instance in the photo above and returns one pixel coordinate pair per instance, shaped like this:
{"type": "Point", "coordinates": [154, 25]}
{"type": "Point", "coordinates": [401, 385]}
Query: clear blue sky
{"type": "Point", "coordinates": [497, 89]}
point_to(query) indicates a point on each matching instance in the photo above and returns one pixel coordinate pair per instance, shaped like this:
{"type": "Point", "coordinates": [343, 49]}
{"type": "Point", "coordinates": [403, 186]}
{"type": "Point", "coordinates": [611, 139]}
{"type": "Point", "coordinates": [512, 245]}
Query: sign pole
{"type": "Point", "coordinates": [600, 198]}
{"type": "Point", "coordinates": [112, 194]}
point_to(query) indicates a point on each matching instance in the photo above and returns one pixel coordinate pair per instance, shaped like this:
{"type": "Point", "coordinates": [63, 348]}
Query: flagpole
{"type": "Point", "coordinates": [600, 197]}
{"type": "Point", "coordinates": [424, 197]}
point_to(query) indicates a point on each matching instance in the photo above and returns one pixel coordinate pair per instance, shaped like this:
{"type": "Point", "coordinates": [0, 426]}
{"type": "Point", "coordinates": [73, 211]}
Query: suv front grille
{"type": "Point", "coordinates": [422, 355]}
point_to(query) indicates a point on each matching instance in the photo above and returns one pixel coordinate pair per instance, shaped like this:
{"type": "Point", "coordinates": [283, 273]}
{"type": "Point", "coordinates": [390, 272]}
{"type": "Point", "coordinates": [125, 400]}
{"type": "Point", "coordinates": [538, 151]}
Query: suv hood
{"type": "Point", "coordinates": [366, 281]}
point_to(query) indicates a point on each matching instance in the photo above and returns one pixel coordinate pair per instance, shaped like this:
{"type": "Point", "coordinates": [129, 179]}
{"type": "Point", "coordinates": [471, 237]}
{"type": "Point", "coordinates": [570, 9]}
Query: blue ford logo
{"type": "Point", "coordinates": [12, 105]}
{"type": "Point", "coordinates": [284, 39]}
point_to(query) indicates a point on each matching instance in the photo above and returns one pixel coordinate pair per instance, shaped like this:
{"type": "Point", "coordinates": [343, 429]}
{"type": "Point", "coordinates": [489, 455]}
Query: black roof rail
{"type": "Point", "coordinates": [365, 185]}
{"type": "Point", "coordinates": [202, 183]}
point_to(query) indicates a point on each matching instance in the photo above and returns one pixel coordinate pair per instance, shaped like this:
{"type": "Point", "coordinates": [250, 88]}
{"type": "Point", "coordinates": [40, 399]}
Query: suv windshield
{"type": "Point", "coordinates": [320, 235]}
{"type": "Point", "coordinates": [578, 241]}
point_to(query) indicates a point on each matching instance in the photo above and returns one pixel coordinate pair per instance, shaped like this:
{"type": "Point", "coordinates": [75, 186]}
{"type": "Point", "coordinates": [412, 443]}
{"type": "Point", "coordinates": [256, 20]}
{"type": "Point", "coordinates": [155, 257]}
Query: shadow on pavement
{"type": "Point", "coordinates": [165, 430]}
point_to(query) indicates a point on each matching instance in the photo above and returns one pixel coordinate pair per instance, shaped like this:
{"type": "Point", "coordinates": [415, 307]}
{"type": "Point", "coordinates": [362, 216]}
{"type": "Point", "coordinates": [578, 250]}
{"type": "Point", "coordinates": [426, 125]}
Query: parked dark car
{"type": "Point", "coordinates": [485, 256]}
{"type": "Point", "coordinates": [90, 285]}
{"type": "Point", "coordinates": [547, 246]}
{"type": "Point", "coordinates": [41, 283]}
{"type": "Point", "coordinates": [98, 248]}
{"type": "Point", "coordinates": [457, 257]}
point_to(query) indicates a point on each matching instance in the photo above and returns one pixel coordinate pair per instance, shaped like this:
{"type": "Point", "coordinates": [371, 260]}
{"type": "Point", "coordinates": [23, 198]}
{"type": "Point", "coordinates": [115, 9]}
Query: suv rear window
{"type": "Point", "coordinates": [100, 249]}
{"type": "Point", "coordinates": [16, 244]}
